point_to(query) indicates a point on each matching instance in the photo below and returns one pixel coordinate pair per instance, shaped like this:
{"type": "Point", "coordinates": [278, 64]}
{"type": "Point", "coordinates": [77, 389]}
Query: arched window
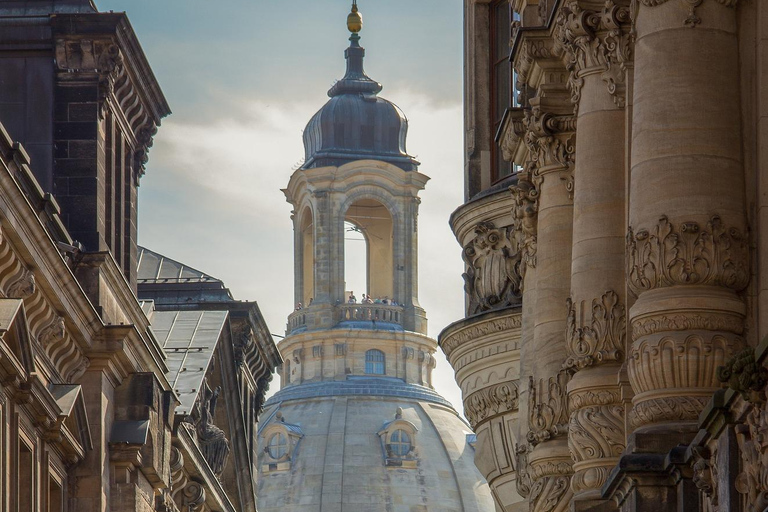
{"type": "Point", "coordinates": [374, 362]}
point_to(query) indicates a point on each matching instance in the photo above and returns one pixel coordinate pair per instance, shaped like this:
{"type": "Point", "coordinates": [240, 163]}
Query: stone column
{"type": "Point", "coordinates": [687, 252]}
{"type": "Point", "coordinates": [596, 44]}
{"type": "Point", "coordinates": [551, 143]}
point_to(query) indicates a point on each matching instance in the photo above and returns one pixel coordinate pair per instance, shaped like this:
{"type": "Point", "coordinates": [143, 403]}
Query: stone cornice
{"type": "Point", "coordinates": [470, 329]}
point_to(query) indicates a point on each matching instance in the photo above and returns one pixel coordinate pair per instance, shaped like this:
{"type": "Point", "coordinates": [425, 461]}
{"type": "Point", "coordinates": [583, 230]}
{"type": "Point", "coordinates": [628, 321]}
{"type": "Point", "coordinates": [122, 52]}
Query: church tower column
{"type": "Point", "coordinates": [687, 252]}
{"type": "Point", "coordinates": [595, 41]}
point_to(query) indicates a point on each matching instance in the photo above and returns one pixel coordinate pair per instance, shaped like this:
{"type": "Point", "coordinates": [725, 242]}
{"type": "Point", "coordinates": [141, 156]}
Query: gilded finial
{"type": "Point", "coordinates": [355, 19]}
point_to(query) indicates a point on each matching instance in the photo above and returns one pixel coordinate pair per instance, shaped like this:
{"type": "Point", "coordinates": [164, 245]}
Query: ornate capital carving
{"type": "Point", "coordinates": [547, 408]}
{"type": "Point", "coordinates": [599, 338]}
{"type": "Point", "coordinates": [669, 408]}
{"type": "Point", "coordinates": [592, 42]}
{"type": "Point", "coordinates": [493, 279]}
{"type": "Point", "coordinates": [491, 401]}
{"type": "Point", "coordinates": [687, 253]}
{"type": "Point", "coordinates": [552, 493]}
{"type": "Point", "coordinates": [705, 473]}
{"type": "Point", "coordinates": [551, 142]}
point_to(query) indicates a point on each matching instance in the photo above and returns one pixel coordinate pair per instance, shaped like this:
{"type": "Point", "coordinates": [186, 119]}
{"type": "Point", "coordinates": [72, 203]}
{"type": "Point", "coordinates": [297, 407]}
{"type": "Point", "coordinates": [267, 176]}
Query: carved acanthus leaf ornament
{"type": "Point", "coordinates": [550, 140]}
{"type": "Point", "coordinates": [686, 253]}
{"type": "Point", "coordinates": [547, 408]}
{"type": "Point", "coordinates": [491, 401]}
{"type": "Point", "coordinates": [492, 280]}
{"type": "Point", "coordinates": [599, 339]}
{"type": "Point", "coordinates": [744, 374]}
{"type": "Point", "coordinates": [593, 42]}
{"type": "Point", "coordinates": [525, 211]}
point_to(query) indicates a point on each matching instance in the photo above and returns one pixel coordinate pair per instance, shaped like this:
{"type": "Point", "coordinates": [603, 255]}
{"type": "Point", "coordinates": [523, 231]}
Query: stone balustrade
{"type": "Point", "coordinates": [305, 318]}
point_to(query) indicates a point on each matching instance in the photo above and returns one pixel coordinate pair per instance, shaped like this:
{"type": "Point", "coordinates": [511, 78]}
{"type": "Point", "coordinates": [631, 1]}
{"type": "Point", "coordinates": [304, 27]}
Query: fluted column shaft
{"type": "Point", "coordinates": [595, 333]}
{"type": "Point", "coordinates": [687, 254]}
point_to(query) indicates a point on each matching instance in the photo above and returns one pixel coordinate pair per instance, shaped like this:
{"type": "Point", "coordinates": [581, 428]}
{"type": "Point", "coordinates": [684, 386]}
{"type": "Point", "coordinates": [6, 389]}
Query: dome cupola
{"type": "Point", "coordinates": [356, 124]}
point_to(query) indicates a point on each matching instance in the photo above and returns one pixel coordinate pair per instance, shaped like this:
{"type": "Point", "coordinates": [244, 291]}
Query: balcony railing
{"type": "Point", "coordinates": [370, 313]}
{"type": "Point", "coordinates": [310, 316]}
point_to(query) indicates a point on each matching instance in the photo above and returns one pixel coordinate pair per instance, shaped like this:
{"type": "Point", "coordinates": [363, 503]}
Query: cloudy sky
{"type": "Point", "coordinates": [243, 77]}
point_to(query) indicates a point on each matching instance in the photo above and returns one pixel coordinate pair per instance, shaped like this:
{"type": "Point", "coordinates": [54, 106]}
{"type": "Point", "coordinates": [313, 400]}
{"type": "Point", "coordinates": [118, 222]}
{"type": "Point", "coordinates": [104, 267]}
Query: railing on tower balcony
{"type": "Point", "coordinates": [370, 313]}
{"type": "Point", "coordinates": [303, 319]}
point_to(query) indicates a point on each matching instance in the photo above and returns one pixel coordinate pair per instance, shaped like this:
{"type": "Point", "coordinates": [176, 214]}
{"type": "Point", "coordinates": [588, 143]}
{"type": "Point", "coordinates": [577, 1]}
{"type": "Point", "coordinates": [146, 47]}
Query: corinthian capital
{"type": "Point", "coordinates": [595, 42]}
{"type": "Point", "coordinates": [550, 140]}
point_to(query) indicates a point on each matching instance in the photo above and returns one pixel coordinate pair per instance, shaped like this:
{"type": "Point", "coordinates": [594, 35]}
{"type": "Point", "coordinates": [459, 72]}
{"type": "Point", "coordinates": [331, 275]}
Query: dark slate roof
{"type": "Point", "coordinates": [359, 386]}
{"type": "Point", "coordinates": [356, 124]}
{"type": "Point", "coordinates": [189, 339]}
{"type": "Point", "coordinates": [154, 267]}
{"type": "Point", "coordinates": [170, 283]}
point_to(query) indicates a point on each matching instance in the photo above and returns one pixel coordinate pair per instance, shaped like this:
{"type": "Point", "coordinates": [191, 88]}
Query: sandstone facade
{"type": "Point", "coordinates": [621, 257]}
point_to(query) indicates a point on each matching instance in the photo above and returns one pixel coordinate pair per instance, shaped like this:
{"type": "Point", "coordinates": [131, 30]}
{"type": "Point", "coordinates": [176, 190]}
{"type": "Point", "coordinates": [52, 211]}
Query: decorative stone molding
{"type": "Point", "coordinates": [692, 19]}
{"type": "Point", "coordinates": [668, 408]}
{"type": "Point", "coordinates": [687, 253]}
{"type": "Point", "coordinates": [492, 280]}
{"type": "Point", "coordinates": [525, 211]}
{"type": "Point", "coordinates": [524, 481]}
{"type": "Point", "coordinates": [674, 376]}
{"type": "Point", "coordinates": [599, 339]}
{"type": "Point", "coordinates": [547, 408]}
{"type": "Point", "coordinates": [593, 42]}
{"type": "Point", "coordinates": [491, 401]}
{"type": "Point", "coordinates": [685, 321]}
{"type": "Point", "coordinates": [498, 325]}
{"type": "Point", "coordinates": [595, 432]}
{"type": "Point", "coordinates": [551, 494]}
{"type": "Point", "coordinates": [744, 374]}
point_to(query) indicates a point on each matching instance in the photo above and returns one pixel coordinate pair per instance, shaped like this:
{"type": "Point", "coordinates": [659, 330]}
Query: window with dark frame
{"type": "Point", "coordinates": [500, 80]}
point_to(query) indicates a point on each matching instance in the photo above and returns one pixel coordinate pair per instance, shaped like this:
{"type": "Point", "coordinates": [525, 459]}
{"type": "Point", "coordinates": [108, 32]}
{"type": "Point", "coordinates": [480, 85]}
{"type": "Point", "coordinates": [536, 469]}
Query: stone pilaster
{"type": "Point", "coordinates": [595, 42]}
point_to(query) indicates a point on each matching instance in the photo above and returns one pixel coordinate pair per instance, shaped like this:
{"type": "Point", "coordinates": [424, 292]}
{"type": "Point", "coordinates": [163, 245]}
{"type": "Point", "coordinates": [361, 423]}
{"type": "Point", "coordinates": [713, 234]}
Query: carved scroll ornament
{"type": "Point", "coordinates": [491, 401]}
{"type": "Point", "coordinates": [547, 408]}
{"type": "Point", "coordinates": [599, 339]}
{"type": "Point", "coordinates": [686, 253]}
{"type": "Point", "coordinates": [492, 280]}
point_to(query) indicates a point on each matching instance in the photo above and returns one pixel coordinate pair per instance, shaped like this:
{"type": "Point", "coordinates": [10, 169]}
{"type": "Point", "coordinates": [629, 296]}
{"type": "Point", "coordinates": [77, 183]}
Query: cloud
{"type": "Point", "coordinates": [212, 199]}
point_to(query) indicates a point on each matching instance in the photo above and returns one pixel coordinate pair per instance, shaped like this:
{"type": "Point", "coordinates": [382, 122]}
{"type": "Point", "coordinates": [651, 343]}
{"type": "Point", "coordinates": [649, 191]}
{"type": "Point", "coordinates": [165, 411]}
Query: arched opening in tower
{"type": "Point", "coordinates": [368, 265]}
{"type": "Point", "coordinates": [307, 246]}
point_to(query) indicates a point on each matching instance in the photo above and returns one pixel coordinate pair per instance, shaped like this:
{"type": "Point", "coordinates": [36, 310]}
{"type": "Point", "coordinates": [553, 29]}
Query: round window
{"type": "Point", "coordinates": [400, 443]}
{"type": "Point", "coordinates": [277, 446]}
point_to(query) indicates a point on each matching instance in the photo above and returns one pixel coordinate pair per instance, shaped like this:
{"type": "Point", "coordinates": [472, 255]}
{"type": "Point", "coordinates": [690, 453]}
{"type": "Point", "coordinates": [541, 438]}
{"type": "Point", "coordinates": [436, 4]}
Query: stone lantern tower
{"type": "Point", "coordinates": [357, 424]}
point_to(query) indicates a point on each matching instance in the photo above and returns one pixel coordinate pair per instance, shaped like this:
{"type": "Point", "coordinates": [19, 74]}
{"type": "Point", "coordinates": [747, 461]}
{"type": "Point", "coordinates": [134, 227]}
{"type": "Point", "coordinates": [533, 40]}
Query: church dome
{"type": "Point", "coordinates": [356, 124]}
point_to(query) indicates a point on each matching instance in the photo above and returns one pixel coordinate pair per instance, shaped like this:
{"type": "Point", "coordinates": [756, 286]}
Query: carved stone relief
{"type": "Point", "coordinates": [525, 211]}
{"type": "Point", "coordinates": [211, 439]}
{"type": "Point", "coordinates": [599, 338]}
{"type": "Point", "coordinates": [492, 280]}
{"type": "Point", "coordinates": [687, 253]}
{"type": "Point", "coordinates": [479, 330]}
{"type": "Point", "coordinates": [547, 408]}
{"type": "Point", "coordinates": [491, 401]}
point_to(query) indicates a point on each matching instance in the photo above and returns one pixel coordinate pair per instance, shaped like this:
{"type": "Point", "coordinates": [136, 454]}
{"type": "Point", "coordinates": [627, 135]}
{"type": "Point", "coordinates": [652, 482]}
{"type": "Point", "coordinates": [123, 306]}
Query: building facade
{"type": "Point", "coordinates": [107, 403]}
{"type": "Point", "coordinates": [613, 237]}
{"type": "Point", "coordinates": [357, 424]}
